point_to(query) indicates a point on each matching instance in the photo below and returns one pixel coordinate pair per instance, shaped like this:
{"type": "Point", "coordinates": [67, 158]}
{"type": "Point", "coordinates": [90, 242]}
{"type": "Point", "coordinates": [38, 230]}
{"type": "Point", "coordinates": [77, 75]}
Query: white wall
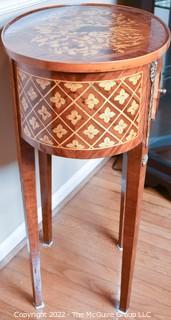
{"type": "Point", "coordinates": [66, 172]}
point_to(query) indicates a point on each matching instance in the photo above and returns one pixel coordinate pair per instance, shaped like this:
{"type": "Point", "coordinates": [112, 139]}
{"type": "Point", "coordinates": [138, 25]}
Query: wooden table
{"type": "Point", "coordinates": [86, 84]}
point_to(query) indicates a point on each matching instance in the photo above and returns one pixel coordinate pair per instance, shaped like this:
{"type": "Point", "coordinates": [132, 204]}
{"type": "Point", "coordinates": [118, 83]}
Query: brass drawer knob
{"type": "Point", "coordinates": [162, 91]}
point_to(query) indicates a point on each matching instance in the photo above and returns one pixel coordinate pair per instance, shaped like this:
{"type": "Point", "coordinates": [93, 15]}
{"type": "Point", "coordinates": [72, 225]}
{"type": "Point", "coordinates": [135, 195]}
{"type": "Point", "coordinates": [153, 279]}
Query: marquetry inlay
{"type": "Point", "coordinates": [87, 33]}
{"type": "Point", "coordinates": [84, 88]}
{"type": "Point", "coordinates": [88, 115]}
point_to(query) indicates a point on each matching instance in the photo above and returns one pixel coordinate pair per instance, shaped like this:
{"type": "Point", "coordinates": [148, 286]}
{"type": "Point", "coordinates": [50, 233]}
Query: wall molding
{"type": "Point", "coordinates": [11, 7]}
{"type": "Point", "coordinates": [17, 239]}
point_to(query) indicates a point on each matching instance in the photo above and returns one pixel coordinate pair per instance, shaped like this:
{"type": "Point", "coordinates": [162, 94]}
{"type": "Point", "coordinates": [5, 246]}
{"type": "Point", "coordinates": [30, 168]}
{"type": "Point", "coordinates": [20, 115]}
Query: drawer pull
{"type": "Point", "coordinates": [163, 91]}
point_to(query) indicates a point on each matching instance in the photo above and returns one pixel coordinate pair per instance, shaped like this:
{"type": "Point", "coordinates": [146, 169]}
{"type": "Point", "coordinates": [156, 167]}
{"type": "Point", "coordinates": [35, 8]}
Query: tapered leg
{"type": "Point", "coordinates": [135, 176]}
{"type": "Point", "coordinates": [28, 182]}
{"type": "Point", "coordinates": [26, 160]}
{"type": "Point", "coordinates": [122, 202]}
{"type": "Point", "coordinates": [45, 161]}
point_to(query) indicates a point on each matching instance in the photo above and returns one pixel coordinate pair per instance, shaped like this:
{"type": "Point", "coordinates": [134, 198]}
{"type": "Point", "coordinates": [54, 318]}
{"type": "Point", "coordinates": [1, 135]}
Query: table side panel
{"type": "Point", "coordinates": [82, 115]}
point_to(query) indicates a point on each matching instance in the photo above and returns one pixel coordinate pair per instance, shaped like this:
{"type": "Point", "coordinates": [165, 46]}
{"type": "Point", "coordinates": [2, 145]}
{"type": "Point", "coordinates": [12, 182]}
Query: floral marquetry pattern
{"type": "Point", "coordinates": [87, 115]}
{"type": "Point", "coordinates": [88, 32]}
{"type": "Point", "coordinates": [107, 115]}
{"type": "Point", "coordinates": [58, 100]}
{"type": "Point", "coordinates": [60, 131]}
{"type": "Point", "coordinates": [91, 101]}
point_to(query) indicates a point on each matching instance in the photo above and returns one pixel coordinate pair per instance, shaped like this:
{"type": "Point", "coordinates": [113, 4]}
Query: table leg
{"type": "Point", "coordinates": [135, 176]}
{"type": "Point", "coordinates": [122, 202]}
{"type": "Point", "coordinates": [45, 163]}
{"type": "Point", "coordinates": [26, 159]}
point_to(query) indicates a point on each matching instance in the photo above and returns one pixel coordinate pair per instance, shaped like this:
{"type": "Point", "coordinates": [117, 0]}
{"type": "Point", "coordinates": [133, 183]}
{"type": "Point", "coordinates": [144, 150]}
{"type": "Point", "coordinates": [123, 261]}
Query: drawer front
{"type": "Point", "coordinates": [82, 116]}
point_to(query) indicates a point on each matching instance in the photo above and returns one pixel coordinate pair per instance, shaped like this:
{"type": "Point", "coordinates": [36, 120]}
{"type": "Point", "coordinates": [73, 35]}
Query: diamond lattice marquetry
{"type": "Point", "coordinates": [80, 115]}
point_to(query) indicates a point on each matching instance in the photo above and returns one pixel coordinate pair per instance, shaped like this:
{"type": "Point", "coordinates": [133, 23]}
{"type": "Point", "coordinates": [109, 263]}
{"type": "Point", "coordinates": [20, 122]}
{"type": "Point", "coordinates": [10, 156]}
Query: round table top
{"type": "Point", "coordinates": [86, 37]}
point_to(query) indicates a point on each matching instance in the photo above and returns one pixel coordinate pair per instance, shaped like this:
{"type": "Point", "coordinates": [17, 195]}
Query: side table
{"type": "Point", "coordinates": [85, 83]}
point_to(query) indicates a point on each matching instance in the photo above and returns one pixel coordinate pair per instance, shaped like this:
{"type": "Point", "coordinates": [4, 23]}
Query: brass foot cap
{"type": "Point", "coordinates": [122, 312]}
{"type": "Point", "coordinates": [47, 245]}
{"type": "Point", "coordinates": [40, 306]}
{"type": "Point", "coordinates": [119, 248]}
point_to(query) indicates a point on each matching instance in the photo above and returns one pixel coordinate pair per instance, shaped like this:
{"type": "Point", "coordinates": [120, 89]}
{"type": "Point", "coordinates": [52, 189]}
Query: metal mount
{"type": "Point", "coordinates": [144, 160]}
{"type": "Point", "coordinates": [153, 73]}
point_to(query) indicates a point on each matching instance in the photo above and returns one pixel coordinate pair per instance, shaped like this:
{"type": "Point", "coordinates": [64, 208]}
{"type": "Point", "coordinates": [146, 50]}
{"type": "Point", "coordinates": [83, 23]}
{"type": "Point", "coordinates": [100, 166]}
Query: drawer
{"type": "Point", "coordinates": [82, 115]}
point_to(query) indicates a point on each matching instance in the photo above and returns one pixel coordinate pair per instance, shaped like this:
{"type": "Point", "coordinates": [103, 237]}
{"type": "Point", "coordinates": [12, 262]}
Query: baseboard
{"type": "Point", "coordinates": [17, 239]}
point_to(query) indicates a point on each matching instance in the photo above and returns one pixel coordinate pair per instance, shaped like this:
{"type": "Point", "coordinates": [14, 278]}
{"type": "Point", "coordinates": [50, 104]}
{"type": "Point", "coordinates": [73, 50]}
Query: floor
{"type": "Point", "coordinates": [81, 271]}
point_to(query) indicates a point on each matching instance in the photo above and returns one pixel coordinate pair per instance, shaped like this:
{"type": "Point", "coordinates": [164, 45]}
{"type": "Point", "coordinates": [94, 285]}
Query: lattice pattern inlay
{"type": "Point", "coordinates": [90, 115]}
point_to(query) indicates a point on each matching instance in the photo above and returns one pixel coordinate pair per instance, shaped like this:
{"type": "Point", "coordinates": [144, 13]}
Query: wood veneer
{"type": "Point", "coordinates": [36, 53]}
{"type": "Point", "coordinates": [85, 89]}
{"type": "Point", "coordinates": [83, 117]}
